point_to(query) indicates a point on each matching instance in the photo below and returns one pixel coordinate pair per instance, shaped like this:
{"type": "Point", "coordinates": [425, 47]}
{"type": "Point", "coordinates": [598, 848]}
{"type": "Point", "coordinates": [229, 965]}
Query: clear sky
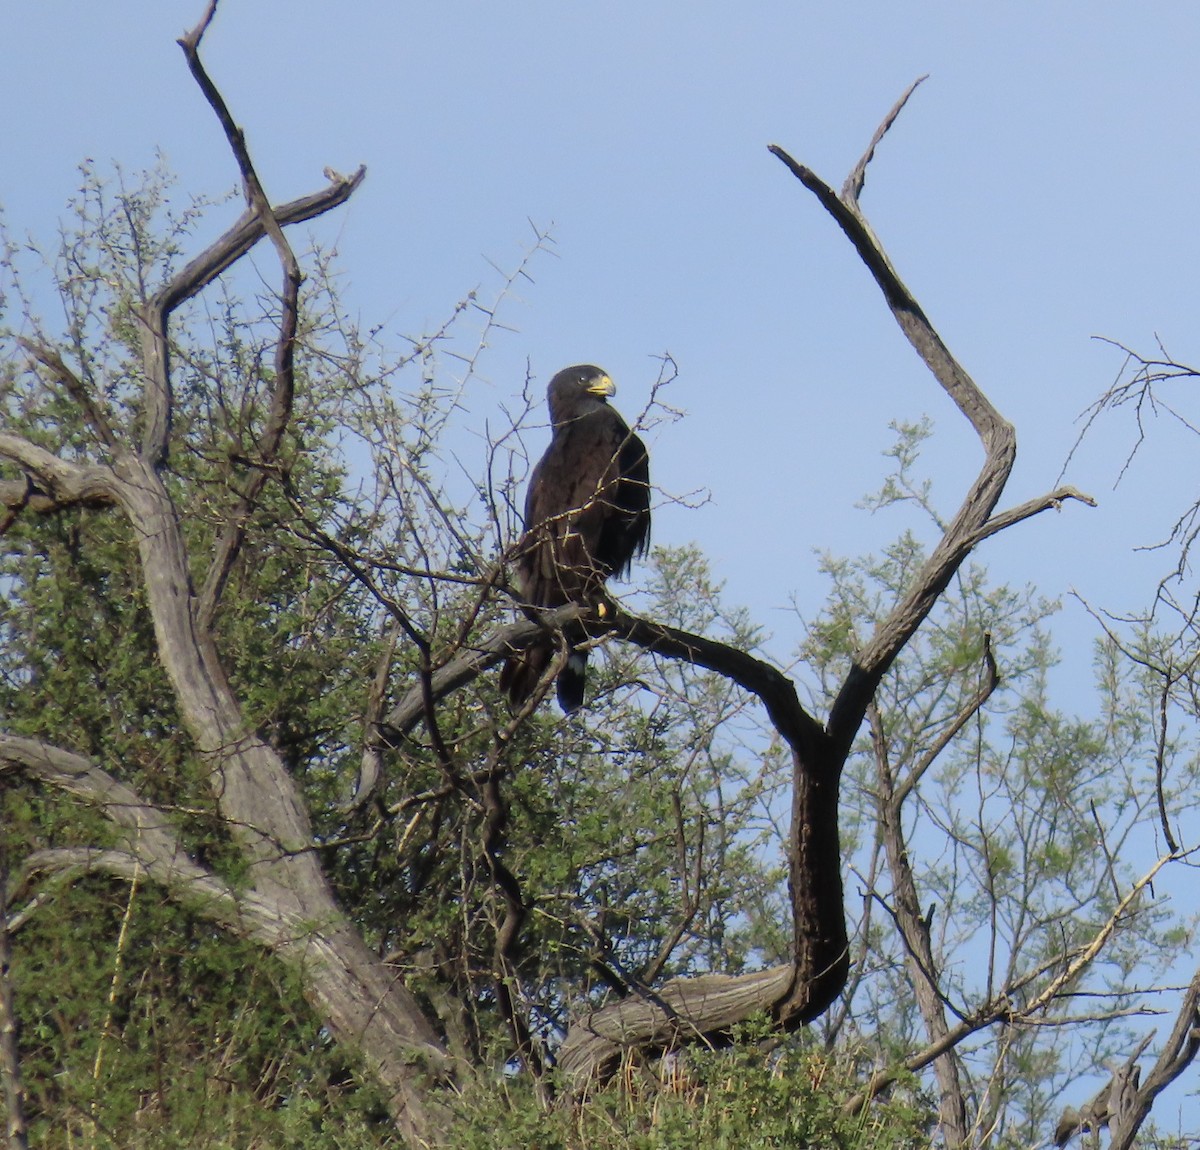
{"type": "Point", "coordinates": [1039, 190]}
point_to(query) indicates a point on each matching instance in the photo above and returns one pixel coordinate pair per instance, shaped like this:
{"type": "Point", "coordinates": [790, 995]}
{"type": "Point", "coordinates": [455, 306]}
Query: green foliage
{"type": "Point", "coordinates": [680, 882]}
{"type": "Point", "coordinates": [142, 1028]}
{"type": "Point", "coordinates": [736, 1099]}
{"type": "Point", "coordinates": [1020, 819]}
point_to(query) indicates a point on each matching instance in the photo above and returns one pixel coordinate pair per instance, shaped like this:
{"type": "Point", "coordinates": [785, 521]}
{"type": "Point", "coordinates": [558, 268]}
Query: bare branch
{"type": "Point", "coordinates": [1111, 1106]}
{"type": "Point", "coordinates": [371, 769]}
{"type": "Point", "coordinates": [284, 383]}
{"type": "Point", "coordinates": [776, 691]}
{"type": "Point", "coordinates": [246, 913]}
{"type": "Point", "coordinates": [1122, 1104]}
{"type": "Point", "coordinates": [190, 41]}
{"type": "Point", "coordinates": [140, 821]}
{"type": "Point", "coordinates": [194, 277]}
{"type": "Point", "coordinates": [852, 188]}
{"type": "Point", "coordinates": [97, 419]}
{"type": "Point", "coordinates": [508, 929]}
{"type": "Point", "coordinates": [990, 1012]}
{"type": "Point", "coordinates": [57, 483]}
{"type": "Point", "coordinates": [968, 710]}
{"type": "Point", "coordinates": [682, 1011]}
{"type": "Point", "coordinates": [147, 840]}
{"type": "Point", "coordinates": [221, 255]}
{"type": "Point", "coordinates": [1177, 1055]}
{"type": "Point", "coordinates": [1160, 761]}
{"type": "Point", "coordinates": [995, 433]}
{"type": "Point", "coordinates": [1085, 955]}
{"type": "Point", "coordinates": [1051, 502]}
{"type": "Point", "coordinates": [914, 927]}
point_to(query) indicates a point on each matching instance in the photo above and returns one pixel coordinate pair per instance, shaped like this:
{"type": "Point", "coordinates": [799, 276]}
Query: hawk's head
{"type": "Point", "coordinates": [575, 391]}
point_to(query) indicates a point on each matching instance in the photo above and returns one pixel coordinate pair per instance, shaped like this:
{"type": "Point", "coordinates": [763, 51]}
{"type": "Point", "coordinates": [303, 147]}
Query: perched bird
{"type": "Point", "coordinates": [587, 514]}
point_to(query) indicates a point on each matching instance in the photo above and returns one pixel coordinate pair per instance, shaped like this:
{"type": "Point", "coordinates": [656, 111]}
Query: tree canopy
{"type": "Point", "coordinates": [282, 866]}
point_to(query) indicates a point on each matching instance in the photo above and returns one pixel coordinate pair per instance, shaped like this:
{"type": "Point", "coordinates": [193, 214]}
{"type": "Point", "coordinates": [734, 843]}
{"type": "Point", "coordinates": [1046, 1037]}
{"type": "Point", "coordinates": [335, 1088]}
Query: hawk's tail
{"type": "Point", "coordinates": [570, 681]}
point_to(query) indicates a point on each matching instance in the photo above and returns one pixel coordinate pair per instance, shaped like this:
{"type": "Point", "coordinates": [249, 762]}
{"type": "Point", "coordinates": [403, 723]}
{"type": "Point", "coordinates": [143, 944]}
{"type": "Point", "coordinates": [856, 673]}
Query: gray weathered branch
{"type": "Point", "coordinates": [145, 838]}
{"type": "Point", "coordinates": [52, 482]}
{"type": "Point", "coordinates": [1052, 501]}
{"type": "Point", "coordinates": [995, 433]}
{"type": "Point", "coordinates": [1124, 1102]}
{"type": "Point", "coordinates": [76, 775]}
{"type": "Point", "coordinates": [682, 1011]}
{"type": "Point", "coordinates": [94, 412]}
{"type": "Point", "coordinates": [283, 384]}
{"type": "Point", "coordinates": [196, 275]}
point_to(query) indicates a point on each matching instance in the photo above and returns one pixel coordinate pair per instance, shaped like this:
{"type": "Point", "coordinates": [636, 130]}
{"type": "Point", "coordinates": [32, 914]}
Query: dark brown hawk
{"type": "Point", "coordinates": [587, 514]}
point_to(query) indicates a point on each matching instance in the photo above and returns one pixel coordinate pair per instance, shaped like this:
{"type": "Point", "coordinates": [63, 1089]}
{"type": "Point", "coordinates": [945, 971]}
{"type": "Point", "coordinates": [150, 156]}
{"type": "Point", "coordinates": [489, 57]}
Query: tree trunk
{"type": "Point", "coordinates": [10, 1058]}
{"type": "Point", "coordinates": [820, 948]}
{"type": "Point", "coordinates": [914, 928]}
{"type": "Point", "coordinates": [364, 1004]}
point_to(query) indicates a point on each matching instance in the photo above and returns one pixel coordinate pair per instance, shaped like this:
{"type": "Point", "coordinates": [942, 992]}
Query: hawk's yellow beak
{"type": "Point", "coordinates": [602, 386]}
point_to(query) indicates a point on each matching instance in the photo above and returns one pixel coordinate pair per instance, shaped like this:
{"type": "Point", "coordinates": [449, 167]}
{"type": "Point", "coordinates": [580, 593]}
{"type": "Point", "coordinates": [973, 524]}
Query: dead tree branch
{"type": "Point", "coordinates": [995, 433]}
{"type": "Point", "coordinates": [684, 1010]}
{"type": "Point", "coordinates": [1124, 1102]}
{"type": "Point", "coordinates": [775, 690]}
{"type": "Point", "coordinates": [284, 381]}
{"type": "Point", "coordinates": [914, 927]}
{"type": "Point", "coordinates": [93, 412]}
{"type": "Point", "coordinates": [52, 483]}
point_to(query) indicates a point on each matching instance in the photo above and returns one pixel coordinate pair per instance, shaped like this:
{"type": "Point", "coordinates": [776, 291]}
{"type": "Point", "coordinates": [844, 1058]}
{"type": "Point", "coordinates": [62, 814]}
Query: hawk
{"type": "Point", "coordinates": [587, 515]}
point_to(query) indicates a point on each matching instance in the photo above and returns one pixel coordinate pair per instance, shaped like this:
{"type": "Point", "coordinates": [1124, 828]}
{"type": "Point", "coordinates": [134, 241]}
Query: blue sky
{"type": "Point", "coordinates": [1039, 190]}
